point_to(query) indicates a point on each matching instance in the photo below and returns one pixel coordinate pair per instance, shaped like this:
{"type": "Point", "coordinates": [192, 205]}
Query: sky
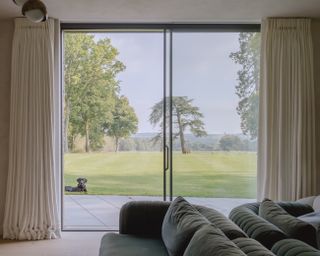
{"type": "Point", "coordinates": [202, 70]}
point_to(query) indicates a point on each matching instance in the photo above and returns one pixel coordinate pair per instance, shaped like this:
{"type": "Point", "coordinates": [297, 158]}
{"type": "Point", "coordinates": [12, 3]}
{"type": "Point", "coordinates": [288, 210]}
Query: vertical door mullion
{"type": "Point", "coordinates": [167, 108]}
{"type": "Point", "coordinates": [170, 111]}
{"type": "Point", "coordinates": [164, 110]}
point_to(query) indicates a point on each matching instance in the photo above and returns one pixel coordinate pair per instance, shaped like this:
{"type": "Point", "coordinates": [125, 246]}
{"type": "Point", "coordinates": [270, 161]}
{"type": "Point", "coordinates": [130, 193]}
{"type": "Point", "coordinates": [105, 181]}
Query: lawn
{"type": "Point", "coordinates": [199, 174]}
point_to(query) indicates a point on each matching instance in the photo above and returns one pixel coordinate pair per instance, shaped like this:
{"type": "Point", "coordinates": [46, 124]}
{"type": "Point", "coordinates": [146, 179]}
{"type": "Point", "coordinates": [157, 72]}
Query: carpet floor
{"type": "Point", "coordinates": [71, 244]}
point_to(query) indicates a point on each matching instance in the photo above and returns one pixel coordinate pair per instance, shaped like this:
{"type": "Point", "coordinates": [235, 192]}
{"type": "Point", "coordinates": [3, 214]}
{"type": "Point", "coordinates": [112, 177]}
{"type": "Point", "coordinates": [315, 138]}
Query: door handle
{"type": "Point", "coordinates": [166, 163]}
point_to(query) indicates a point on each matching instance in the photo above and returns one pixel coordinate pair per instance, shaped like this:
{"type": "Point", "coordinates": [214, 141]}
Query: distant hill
{"type": "Point", "coordinates": [143, 142]}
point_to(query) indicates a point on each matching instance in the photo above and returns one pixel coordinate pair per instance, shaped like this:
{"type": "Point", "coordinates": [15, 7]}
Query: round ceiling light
{"type": "Point", "coordinates": [35, 10]}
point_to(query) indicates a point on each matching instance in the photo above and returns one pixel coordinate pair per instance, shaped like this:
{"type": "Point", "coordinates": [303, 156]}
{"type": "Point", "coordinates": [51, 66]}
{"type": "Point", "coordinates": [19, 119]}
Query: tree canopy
{"type": "Point", "coordinates": [91, 87]}
{"type": "Point", "coordinates": [124, 123]}
{"type": "Point", "coordinates": [247, 89]}
{"type": "Point", "coordinates": [184, 116]}
{"type": "Point", "coordinates": [231, 142]}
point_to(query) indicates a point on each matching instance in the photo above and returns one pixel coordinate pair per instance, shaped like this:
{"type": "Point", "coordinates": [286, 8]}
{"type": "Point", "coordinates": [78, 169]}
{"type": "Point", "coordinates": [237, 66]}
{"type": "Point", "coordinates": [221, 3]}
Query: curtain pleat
{"type": "Point", "coordinates": [31, 210]}
{"type": "Point", "coordinates": [286, 153]}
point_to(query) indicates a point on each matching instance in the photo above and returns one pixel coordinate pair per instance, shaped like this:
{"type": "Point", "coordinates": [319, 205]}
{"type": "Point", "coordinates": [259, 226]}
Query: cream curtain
{"type": "Point", "coordinates": [286, 153]}
{"type": "Point", "coordinates": [31, 210]}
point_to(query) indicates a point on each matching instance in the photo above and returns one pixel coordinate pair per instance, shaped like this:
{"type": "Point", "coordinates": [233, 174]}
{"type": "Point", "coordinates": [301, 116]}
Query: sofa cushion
{"type": "Point", "coordinates": [313, 201]}
{"type": "Point", "coordinates": [295, 209]}
{"type": "Point", "coordinates": [292, 226]}
{"type": "Point", "coordinates": [307, 200]}
{"type": "Point", "coordinates": [316, 203]}
{"type": "Point", "coordinates": [256, 227]}
{"type": "Point", "coordinates": [210, 241]}
{"type": "Point", "coordinates": [124, 245]}
{"type": "Point", "coordinates": [314, 220]}
{"type": "Point", "coordinates": [293, 247]}
{"type": "Point", "coordinates": [252, 247]}
{"type": "Point", "coordinates": [180, 223]}
{"type": "Point", "coordinates": [230, 229]}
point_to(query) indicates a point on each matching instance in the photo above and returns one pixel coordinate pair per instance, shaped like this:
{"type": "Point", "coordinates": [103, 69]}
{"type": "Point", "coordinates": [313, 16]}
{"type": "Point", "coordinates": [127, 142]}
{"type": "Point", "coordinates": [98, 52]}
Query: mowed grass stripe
{"type": "Point", "coordinates": [202, 174]}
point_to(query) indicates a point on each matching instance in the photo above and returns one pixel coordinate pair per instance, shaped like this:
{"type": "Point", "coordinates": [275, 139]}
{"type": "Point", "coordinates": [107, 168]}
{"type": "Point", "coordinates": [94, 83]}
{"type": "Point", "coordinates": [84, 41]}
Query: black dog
{"type": "Point", "coordinates": [81, 187]}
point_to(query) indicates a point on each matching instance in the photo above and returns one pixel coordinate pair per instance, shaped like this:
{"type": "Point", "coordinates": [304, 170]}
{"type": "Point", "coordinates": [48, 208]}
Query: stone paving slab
{"type": "Point", "coordinates": [77, 216]}
{"type": "Point", "coordinates": [100, 212]}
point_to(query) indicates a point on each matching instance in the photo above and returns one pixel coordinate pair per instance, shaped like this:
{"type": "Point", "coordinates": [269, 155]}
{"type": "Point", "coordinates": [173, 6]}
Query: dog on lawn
{"type": "Point", "coordinates": [81, 187]}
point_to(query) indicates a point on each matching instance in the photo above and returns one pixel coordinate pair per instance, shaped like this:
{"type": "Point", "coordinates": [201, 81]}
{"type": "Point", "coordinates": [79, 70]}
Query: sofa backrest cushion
{"type": "Point", "coordinates": [290, 225]}
{"type": "Point", "coordinates": [180, 223]}
{"type": "Point", "coordinates": [313, 201]}
{"type": "Point", "coordinates": [210, 241]}
{"type": "Point", "coordinates": [256, 227]}
{"type": "Point", "coordinates": [296, 209]}
{"type": "Point", "coordinates": [230, 229]}
{"type": "Point", "coordinates": [313, 219]}
{"type": "Point", "coordinates": [307, 200]}
{"type": "Point", "coordinates": [316, 203]}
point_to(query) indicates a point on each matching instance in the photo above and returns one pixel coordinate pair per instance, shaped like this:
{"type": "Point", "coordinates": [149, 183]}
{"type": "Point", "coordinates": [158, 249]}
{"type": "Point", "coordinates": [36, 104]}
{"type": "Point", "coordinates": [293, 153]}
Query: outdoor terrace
{"type": "Point", "coordinates": [101, 212]}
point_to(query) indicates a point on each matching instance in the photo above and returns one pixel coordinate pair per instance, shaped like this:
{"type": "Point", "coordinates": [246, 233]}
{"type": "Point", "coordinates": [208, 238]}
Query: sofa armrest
{"type": "Point", "coordinates": [293, 247]}
{"type": "Point", "coordinates": [142, 218]}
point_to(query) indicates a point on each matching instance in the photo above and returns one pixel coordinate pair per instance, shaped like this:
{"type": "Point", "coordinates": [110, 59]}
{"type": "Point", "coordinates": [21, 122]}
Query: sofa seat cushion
{"type": "Point", "coordinates": [180, 223]}
{"type": "Point", "coordinates": [252, 247]}
{"type": "Point", "coordinates": [129, 245]}
{"type": "Point", "coordinates": [293, 247]}
{"type": "Point", "coordinates": [292, 226]}
{"type": "Point", "coordinates": [210, 241]}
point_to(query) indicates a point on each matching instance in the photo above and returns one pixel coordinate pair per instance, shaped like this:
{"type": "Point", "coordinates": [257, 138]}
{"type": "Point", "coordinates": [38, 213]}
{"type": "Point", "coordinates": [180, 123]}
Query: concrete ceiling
{"type": "Point", "coordinates": [211, 11]}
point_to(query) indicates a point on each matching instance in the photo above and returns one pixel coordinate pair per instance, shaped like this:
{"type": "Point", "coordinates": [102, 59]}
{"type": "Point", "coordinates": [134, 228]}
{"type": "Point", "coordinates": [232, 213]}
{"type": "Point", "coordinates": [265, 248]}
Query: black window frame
{"type": "Point", "coordinates": [136, 28]}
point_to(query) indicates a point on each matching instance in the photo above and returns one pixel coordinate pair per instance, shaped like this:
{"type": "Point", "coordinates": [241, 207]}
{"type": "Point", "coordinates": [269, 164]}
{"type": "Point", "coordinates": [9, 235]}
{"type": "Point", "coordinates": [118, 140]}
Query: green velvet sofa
{"type": "Point", "coordinates": [142, 231]}
{"type": "Point", "coordinates": [272, 222]}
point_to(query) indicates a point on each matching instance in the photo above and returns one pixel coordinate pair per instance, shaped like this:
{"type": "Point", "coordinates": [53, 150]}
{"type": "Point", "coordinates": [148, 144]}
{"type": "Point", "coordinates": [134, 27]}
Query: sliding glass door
{"type": "Point", "coordinates": [215, 115]}
{"type": "Point", "coordinates": [113, 124]}
{"type": "Point", "coordinates": [153, 113]}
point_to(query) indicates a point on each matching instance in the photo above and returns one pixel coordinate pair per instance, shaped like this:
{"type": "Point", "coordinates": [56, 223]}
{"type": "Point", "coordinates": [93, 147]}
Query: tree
{"type": "Point", "coordinates": [124, 122]}
{"type": "Point", "coordinates": [248, 82]}
{"type": "Point", "coordinates": [230, 142]}
{"type": "Point", "coordinates": [184, 116]}
{"type": "Point", "coordinates": [90, 68]}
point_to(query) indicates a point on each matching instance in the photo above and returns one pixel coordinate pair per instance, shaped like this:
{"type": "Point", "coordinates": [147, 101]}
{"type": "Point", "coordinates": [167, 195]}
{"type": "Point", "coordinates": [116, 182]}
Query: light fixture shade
{"type": "Point", "coordinates": [35, 11]}
{"type": "Point", "coordinates": [19, 2]}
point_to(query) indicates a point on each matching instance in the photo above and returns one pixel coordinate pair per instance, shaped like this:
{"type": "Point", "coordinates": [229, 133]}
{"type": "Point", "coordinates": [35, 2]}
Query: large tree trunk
{"type": "Point", "coordinates": [116, 144]}
{"type": "Point", "coordinates": [72, 141]}
{"type": "Point", "coordinates": [181, 135]}
{"type": "Point", "coordinates": [66, 125]}
{"type": "Point", "coordinates": [87, 146]}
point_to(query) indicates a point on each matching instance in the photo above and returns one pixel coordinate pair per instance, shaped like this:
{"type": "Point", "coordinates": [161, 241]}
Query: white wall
{"type": "Point", "coordinates": [6, 32]}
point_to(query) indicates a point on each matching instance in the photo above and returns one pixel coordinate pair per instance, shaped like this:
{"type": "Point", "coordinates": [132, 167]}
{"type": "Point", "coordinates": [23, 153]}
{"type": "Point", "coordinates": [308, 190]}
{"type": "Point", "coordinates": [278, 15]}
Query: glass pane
{"type": "Point", "coordinates": [113, 149]}
{"type": "Point", "coordinates": [215, 115]}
